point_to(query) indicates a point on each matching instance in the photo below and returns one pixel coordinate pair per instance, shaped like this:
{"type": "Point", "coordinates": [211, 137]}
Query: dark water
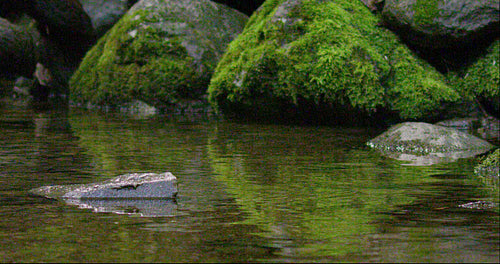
{"type": "Point", "coordinates": [247, 193]}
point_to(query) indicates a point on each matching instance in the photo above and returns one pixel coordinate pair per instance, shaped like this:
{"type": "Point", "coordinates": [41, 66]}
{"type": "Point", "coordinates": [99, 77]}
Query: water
{"type": "Point", "coordinates": [247, 193]}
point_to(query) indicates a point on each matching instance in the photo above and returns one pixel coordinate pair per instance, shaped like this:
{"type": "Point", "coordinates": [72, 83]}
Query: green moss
{"type": "Point", "coordinates": [136, 62]}
{"type": "Point", "coordinates": [481, 79]}
{"type": "Point", "coordinates": [425, 12]}
{"type": "Point", "coordinates": [492, 160]}
{"type": "Point", "coordinates": [329, 54]}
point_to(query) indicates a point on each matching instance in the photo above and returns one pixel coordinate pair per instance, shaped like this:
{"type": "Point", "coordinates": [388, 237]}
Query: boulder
{"type": "Point", "coordinates": [161, 52]}
{"type": "Point", "coordinates": [426, 144]}
{"type": "Point", "coordinates": [446, 23]}
{"type": "Point", "coordinates": [128, 186]}
{"type": "Point", "coordinates": [326, 61]}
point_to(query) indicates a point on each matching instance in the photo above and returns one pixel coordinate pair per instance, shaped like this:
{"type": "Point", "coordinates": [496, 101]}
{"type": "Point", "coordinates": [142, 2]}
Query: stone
{"type": "Point", "coordinates": [160, 52]}
{"type": "Point", "coordinates": [444, 23]}
{"type": "Point", "coordinates": [128, 186]}
{"type": "Point", "coordinates": [104, 13]}
{"type": "Point", "coordinates": [426, 144]}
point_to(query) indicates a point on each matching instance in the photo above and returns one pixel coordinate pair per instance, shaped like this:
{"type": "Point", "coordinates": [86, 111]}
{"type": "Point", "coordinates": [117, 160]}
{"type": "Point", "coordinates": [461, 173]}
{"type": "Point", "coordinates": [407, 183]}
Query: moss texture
{"type": "Point", "coordinates": [328, 57]}
{"type": "Point", "coordinates": [162, 53]}
{"type": "Point", "coordinates": [481, 80]}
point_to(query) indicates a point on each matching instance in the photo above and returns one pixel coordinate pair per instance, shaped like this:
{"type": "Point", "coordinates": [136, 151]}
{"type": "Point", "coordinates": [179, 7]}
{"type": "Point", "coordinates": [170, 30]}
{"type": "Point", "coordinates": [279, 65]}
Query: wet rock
{"type": "Point", "coordinates": [426, 144]}
{"type": "Point", "coordinates": [128, 186]}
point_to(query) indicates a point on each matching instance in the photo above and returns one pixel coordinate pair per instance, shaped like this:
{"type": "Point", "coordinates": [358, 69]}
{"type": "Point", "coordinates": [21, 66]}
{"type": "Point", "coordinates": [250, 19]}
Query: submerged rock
{"type": "Point", "coordinates": [128, 186]}
{"type": "Point", "coordinates": [427, 144]}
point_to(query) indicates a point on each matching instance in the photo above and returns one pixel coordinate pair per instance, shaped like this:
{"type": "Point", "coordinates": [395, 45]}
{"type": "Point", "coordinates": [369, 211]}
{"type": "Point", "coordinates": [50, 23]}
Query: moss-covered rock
{"type": "Point", "coordinates": [161, 52]}
{"type": "Point", "coordinates": [324, 60]}
{"type": "Point", "coordinates": [481, 80]}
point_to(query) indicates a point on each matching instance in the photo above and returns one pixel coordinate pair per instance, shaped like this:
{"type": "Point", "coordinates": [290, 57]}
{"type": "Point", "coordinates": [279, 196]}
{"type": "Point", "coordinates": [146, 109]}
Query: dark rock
{"type": "Point", "coordinates": [18, 55]}
{"type": "Point", "coordinates": [427, 144]}
{"type": "Point", "coordinates": [64, 22]}
{"type": "Point", "coordinates": [128, 186]}
{"type": "Point", "coordinates": [443, 23]}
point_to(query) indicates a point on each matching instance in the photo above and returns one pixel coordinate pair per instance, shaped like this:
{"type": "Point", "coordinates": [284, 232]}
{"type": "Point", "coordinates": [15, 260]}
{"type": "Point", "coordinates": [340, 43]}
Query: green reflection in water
{"type": "Point", "coordinates": [318, 186]}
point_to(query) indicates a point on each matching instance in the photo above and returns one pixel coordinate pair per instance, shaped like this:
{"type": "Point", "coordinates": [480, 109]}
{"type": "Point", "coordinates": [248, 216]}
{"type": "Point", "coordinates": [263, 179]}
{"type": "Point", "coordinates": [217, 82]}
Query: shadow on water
{"type": "Point", "coordinates": [247, 193]}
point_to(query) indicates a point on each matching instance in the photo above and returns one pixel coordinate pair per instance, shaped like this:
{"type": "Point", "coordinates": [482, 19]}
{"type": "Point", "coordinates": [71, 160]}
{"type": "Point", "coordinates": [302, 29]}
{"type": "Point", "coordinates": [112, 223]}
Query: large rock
{"type": "Point", "coordinates": [327, 60]}
{"type": "Point", "coordinates": [162, 52]}
{"type": "Point", "coordinates": [426, 144]}
{"type": "Point", "coordinates": [445, 23]}
{"type": "Point", "coordinates": [128, 186]}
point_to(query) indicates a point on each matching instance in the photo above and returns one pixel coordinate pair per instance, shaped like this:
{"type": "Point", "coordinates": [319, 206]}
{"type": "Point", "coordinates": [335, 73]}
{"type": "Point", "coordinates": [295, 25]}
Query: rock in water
{"type": "Point", "coordinates": [427, 144]}
{"type": "Point", "coordinates": [128, 186]}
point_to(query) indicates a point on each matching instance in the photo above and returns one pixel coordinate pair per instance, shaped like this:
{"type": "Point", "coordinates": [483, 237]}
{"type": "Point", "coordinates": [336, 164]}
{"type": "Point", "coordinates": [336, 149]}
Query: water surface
{"type": "Point", "coordinates": [247, 193]}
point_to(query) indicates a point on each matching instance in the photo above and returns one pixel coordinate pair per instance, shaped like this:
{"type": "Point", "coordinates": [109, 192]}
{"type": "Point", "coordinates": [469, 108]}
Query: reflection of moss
{"type": "Point", "coordinates": [296, 194]}
{"type": "Point", "coordinates": [328, 54]}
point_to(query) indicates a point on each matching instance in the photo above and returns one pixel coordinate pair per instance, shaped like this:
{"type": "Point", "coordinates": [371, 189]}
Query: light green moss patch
{"type": "Point", "coordinates": [324, 55]}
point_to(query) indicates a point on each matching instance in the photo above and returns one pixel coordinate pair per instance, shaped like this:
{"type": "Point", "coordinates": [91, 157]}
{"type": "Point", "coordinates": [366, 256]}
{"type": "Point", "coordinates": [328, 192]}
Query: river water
{"type": "Point", "coordinates": [247, 193]}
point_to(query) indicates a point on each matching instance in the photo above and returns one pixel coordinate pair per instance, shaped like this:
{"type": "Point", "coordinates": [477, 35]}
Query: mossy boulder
{"type": "Point", "coordinates": [161, 52]}
{"type": "Point", "coordinates": [327, 61]}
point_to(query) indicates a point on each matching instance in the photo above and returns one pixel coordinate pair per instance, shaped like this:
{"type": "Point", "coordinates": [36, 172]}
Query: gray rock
{"type": "Point", "coordinates": [128, 186]}
{"type": "Point", "coordinates": [438, 24]}
{"type": "Point", "coordinates": [104, 13]}
{"type": "Point", "coordinates": [427, 144]}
